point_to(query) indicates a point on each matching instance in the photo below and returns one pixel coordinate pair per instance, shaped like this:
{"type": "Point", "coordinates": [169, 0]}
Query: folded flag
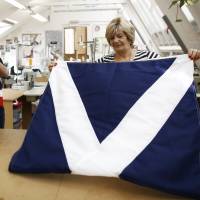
{"type": "Point", "coordinates": [139, 121]}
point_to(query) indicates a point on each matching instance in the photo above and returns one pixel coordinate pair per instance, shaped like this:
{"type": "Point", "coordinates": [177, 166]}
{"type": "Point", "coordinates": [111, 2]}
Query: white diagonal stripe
{"type": "Point", "coordinates": [76, 131]}
{"type": "Point", "coordinates": [141, 124]}
{"type": "Point", "coordinates": [132, 135]}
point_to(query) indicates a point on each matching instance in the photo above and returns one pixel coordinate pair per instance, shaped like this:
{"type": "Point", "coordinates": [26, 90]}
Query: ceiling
{"type": "Point", "coordinates": [145, 20]}
{"type": "Point", "coordinates": [40, 6]}
{"type": "Point", "coordinates": [7, 10]}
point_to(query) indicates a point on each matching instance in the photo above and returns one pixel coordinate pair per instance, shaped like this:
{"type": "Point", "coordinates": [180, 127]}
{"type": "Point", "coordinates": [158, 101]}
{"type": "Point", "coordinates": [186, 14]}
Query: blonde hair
{"type": "Point", "coordinates": [123, 25]}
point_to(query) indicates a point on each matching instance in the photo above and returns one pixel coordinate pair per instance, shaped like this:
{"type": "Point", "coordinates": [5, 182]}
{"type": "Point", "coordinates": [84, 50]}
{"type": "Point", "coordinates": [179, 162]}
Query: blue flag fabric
{"type": "Point", "coordinates": [139, 121]}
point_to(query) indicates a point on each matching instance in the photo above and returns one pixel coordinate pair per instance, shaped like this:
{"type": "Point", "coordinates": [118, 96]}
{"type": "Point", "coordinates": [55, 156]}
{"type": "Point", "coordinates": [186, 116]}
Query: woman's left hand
{"type": "Point", "coordinates": [194, 54]}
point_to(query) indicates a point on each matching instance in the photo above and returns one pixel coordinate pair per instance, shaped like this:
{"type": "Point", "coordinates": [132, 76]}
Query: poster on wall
{"type": "Point", "coordinates": [27, 52]}
{"type": "Point", "coordinates": [32, 39]}
{"type": "Point", "coordinates": [53, 42]}
{"type": "Point", "coordinates": [1, 47]}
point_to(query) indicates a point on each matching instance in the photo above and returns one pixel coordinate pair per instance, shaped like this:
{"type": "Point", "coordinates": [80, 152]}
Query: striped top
{"type": "Point", "coordinates": [140, 55]}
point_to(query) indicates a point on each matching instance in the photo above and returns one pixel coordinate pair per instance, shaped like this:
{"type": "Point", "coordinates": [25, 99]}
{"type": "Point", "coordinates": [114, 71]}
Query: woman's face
{"type": "Point", "coordinates": [119, 42]}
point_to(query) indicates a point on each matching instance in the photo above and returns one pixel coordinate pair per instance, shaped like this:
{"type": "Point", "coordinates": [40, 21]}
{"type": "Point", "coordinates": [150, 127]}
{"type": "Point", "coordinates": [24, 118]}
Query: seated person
{"type": "Point", "coordinates": [3, 73]}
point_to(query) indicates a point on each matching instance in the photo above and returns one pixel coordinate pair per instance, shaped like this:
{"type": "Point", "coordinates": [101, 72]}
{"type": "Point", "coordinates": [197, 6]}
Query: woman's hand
{"type": "Point", "coordinates": [194, 54]}
{"type": "Point", "coordinates": [52, 64]}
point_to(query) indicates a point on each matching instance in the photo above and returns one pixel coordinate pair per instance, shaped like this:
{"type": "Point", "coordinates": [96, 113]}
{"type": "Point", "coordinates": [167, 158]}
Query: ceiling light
{"type": "Point", "coordinates": [39, 17]}
{"type": "Point", "coordinates": [4, 24]}
{"type": "Point", "coordinates": [4, 27]}
{"type": "Point", "coordinates": [10, 21]}
{"type": "Point", "coordinates": [16, 4]}
{"type": "Point", "coordinates": [187, 13]}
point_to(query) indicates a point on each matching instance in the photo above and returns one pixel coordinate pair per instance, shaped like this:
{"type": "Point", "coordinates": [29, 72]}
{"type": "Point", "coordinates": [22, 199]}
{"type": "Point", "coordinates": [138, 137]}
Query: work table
{"type": "Point", "coordinates": [63, 186]}
{"type": "Point", "coordinates": [26, 96]}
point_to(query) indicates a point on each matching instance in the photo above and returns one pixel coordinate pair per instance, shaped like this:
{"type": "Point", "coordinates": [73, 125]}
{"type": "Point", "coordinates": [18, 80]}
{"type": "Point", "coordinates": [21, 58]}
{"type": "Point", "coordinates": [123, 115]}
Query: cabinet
{"type": "Point", "coordinates": [20, 116]}
{"type": "Point", "coordinates": [10, 95]}
{"type": "Point", "coordinates": [75, 43]}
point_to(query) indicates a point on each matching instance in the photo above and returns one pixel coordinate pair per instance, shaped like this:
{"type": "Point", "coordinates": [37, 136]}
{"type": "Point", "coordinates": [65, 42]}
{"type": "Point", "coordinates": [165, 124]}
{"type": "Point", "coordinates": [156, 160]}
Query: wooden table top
{"type": "Point", "coordinates": [12, 94]}
{"type": "Point", "coordinates": [36, 91]}
{"type": "Point", "coordinates": [62, 186]}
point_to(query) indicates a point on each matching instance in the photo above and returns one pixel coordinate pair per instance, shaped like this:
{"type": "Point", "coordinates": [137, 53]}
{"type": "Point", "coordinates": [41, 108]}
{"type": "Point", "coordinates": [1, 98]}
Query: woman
{"type": "Point", "coordinates": [3, 73]}
{"type": "Point", "coordinates": [120, 35]}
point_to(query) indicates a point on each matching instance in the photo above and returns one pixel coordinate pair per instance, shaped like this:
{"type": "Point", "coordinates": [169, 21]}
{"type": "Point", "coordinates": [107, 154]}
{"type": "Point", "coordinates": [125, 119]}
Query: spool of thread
{"type": "Point", "coordinates": [30, 61]}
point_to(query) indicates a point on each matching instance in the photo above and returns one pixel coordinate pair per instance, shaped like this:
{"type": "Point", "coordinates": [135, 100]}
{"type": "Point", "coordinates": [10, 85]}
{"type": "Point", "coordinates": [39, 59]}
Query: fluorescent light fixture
{"type": "Point", "coordinates": [187, 13]}
{"type": "Point", "coordinates": [175, 48]}
{"type": "Point", "coordinates": [4, 27]}
{"type": "Point", "coordinates": [4, 24]}
{"type": "Point", "coordinates": [10, 21]}
{"type": "Point", "coordinates": [190, 18]}
{"type": "Point", "coordinates": [39, 17]}
{"type": "Point", "coordinates": [16, 4]}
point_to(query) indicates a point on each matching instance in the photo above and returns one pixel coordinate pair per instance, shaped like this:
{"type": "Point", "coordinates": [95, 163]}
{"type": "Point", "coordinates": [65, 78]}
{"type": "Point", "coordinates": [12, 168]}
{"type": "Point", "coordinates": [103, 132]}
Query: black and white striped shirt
{"type": "Point", "coordinates": [140, 55]}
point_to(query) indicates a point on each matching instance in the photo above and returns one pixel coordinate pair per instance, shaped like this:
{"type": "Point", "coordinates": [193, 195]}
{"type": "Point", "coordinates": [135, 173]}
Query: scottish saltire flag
{"type": "Point", "coordinates": [138, 121]}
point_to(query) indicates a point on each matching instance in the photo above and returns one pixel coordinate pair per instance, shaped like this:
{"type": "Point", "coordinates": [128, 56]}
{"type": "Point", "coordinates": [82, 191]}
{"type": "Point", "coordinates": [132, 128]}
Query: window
{"type": "Point", "coordinates": [69, 41]}
{"type": "Point", "coordinates": [151, 18]}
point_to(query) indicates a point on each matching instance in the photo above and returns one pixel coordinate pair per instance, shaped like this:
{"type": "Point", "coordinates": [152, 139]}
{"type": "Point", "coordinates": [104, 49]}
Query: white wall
{"type": "Point", "coordinates": [63, 19]}
{"type": "Point", "coordinates": [60, 20]}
